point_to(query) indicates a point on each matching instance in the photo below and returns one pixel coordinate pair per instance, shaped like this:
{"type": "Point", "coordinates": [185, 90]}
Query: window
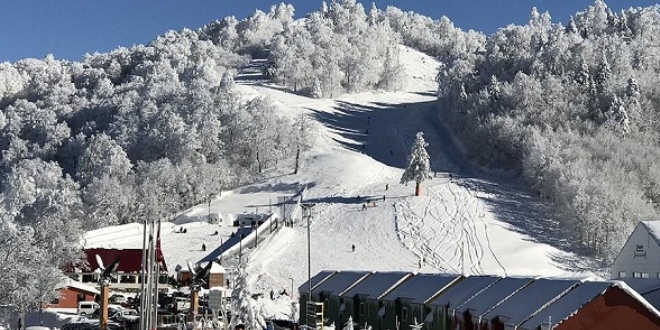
{"type": "Point", "coordinates": [87, 278]}
{"type": "Point", "coordinates": [404, 314]}
{"type": "Point", "coordinates": [361, 308]}
{"type": "Point", "coordinates": [658, 275]}
{"type": "Point", "coordinates": [639, 248]}
{"type": "Point", "coordinates": [645, 275]}
{"type": "Point", "coordinates": [637, 275]}
{"type": "Point", "coordinates": [622, 274]}
{"type": "Point", "coordinates": [80, 297]}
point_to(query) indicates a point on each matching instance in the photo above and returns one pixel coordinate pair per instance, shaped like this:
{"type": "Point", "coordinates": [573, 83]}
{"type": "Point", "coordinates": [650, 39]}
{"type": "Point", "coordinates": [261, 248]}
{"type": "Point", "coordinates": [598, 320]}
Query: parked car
{"type": "Point", "coordinates": [126, 315]}
{"type": "Point", "coordinates": [91, 325]}
{"type": "Point", "coordinates": [111, 311]}
{"type": "Point", "coordinates": [86, 307]}
{"type": "Point", "coordinates": [36, 327]}
{"type": "Point", "coordinates": [117, 299]}
{"type": "Point", "coordinates": [283, 325]}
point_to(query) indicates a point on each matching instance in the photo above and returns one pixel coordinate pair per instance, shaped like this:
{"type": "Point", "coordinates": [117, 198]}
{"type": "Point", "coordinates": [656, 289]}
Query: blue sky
{"type": "Point", "coordinates": [70, 28]}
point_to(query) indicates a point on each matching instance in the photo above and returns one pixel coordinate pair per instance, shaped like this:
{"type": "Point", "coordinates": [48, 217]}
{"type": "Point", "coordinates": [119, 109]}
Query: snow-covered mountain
{"type": "Point", "coordinates": [466, 221]}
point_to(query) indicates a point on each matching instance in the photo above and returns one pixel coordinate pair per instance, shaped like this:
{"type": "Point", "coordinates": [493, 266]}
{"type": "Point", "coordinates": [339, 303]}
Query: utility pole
{"type": "Point", "coordinates": [462, 257]}
{"type": "Point", "coordinates": [307, 213]}
{"type": "Point", "coordinates": [291, 278]}
{"type": "Point", "coordinates": [143, 273]}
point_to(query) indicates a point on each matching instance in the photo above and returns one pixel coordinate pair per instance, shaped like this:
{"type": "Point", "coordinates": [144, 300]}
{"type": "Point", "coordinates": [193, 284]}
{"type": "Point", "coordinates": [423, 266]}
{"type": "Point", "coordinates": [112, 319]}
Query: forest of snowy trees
{"type": "Point", "coordinates": [153, 129]}
{"type": "Point", "coordinates": [140, 132]}
{"type": "Point", "coordinates": [573, 108]}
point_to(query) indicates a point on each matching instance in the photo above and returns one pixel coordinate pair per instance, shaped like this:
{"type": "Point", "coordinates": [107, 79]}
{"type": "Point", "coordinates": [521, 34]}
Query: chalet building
{"type": "Point", "coordinates": [468, 314]}
{"type": "Point", "coordinates": [128, 273]}
{"type": "Point", "coordinates": [640, 256]}
{"type": "Point", "coordinates": [444, 306]}
{"type": "Point", "coordinates": [216, 276]}
{"type": "Point", "coordinates": [362, 301]}
{"type": "Point", "coordinates": [596, 306]}
{"type": "Point", "coordinates": [71, 292]}
{"type": "Point", "coordinates": [407, 304]}
{"type": "Point", "coordinates": [444, 301]}
{"type": "Point", "coordinates": [303, 291]}
{"type": "Point", "coordinates": [525, 303]}
{"type": "Point", "coordinates": [330, 291]}
{"type": "Point", "coordinates": [649, 289]}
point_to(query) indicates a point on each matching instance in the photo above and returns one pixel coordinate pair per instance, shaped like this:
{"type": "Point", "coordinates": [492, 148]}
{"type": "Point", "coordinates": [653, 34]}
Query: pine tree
{"type": "Point", "coordinates": [243, 308]}
{"type": "Point", "coordinates": [349, 325]}
{"type": "Point", "coordinates": [418, 167]}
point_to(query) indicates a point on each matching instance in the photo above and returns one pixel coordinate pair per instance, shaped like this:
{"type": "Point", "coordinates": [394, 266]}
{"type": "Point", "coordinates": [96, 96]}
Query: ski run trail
{"type": "Point", "coordinates": [470, 222]}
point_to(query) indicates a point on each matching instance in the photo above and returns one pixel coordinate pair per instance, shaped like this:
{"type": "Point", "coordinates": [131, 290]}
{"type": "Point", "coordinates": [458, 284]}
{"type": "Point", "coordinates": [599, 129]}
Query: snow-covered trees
{"type": "Point", "coordinates": [349, 325]}
{"type": "Point", "coordinates": [151, 129]}
{"type": "Point", "coordinates": [339, 49]}
{"type": "Point", "coordinates": [418, 167]}
{"type": "Point", "coordinates": [559, 104]}
{"type": "Point", "coordinates": [244, 310]}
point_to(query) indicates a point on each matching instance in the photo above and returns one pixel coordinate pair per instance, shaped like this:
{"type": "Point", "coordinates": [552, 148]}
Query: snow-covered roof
{"type": "Point", "coordinates": [340, 282]}
{"type": "Point", "coordinates": [71, 283]}
{"type": "Point", "coordinates": [127, 236]}
{"type": "Point", "coordinates": [623, 286]}
{"type": "Point", "coordinates": [377, 284]}
{"type": "Point", "coordinates": [317, 279]}
{"type": "Point", "coordinates": [653, 297]}
{"type": "Point", "coordinates": [529, 300]}
{"type": "Point", "coordinates": [566, 305]}
{"type": "Point", "coordinates": [216, 268]}
{"type": "Point", "coordinates": [653, 227]}
{"type": "Point", "coordinates": [642, 285]}
{"type": "Point", "coordinates": [422, 287]}
{"type": "Point", "coordinates": [461, 292]}
{"type": "Point", "coordinates": [495, 293]}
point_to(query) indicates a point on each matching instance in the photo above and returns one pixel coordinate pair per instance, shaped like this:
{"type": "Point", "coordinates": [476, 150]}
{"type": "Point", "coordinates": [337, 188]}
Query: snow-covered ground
{"type": "Point", "coordinates": [471, 222]}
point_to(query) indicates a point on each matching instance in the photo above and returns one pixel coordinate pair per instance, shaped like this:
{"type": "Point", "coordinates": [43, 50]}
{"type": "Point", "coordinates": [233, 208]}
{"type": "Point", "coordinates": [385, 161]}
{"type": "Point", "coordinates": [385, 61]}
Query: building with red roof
{"type": "Point", "coordinates": [128, 274]}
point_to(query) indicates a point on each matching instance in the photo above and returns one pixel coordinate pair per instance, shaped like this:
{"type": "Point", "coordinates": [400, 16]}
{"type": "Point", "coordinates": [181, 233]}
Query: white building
{"type": "Point", "coordinates": [640, 256]}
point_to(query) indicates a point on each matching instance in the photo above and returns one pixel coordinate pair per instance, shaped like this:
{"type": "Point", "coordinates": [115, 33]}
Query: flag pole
{"type": "Point", "coordinates": [157, 257]}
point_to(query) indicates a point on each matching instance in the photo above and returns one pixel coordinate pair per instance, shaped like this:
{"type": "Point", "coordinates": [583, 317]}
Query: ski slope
{"type": "Point", "coordinates": [474, 223]}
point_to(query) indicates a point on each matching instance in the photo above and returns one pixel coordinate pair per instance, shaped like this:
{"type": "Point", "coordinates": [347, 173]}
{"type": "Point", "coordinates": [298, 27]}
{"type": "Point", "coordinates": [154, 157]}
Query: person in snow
{"type": "Point", "coordinates": [364, 207]}
{"type": "Point", "coordinates": [353, 248]}
{"type": "Point", "coordinates": [387, 186]}
{"type": "Point", "coordinates": [272, 295]}
{"type": "Point", "coordinates": [203, 247]}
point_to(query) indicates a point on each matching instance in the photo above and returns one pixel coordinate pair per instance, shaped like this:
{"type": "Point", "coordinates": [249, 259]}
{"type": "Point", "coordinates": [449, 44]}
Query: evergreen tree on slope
{"type": "Point", "coordinates": [418, 167]}
{"type": "Point", "coordinates": [244, 309]}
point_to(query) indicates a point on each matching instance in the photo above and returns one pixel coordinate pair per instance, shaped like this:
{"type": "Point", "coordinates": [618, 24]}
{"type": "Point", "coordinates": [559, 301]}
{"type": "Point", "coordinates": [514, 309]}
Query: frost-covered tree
{"type": "Point", "coordinates": [392, 74]}
{"type": "Point", "coordinates": [303, 136]}
{"type": "Point", "coordinates": [418, 167]}
{"type": "Point", "coordinates": [349, 325]}
{"type": "Point", "coordinates": [244, 309]}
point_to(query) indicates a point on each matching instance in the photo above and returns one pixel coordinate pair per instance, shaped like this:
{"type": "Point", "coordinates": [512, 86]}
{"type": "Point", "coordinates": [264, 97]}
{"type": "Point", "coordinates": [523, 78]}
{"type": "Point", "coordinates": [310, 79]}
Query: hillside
{"type": "Point", "coordinates": [474, 223]}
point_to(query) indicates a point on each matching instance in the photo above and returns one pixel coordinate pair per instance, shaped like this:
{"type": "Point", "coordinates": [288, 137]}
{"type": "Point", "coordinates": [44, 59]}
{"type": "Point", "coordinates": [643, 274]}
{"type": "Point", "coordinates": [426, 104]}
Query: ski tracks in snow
{"type": "Point", "coordinates": [446, 229]}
